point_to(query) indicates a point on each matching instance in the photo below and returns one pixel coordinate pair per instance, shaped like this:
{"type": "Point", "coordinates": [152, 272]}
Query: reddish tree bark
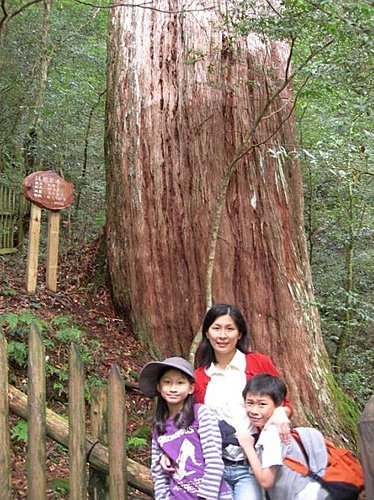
{"type": "Point", "coordinates": [182, 98]}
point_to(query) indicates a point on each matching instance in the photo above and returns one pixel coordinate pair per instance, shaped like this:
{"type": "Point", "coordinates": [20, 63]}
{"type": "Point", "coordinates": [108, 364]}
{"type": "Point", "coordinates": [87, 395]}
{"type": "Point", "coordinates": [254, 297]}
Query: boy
{"type": "Point", "coordinates": [262, 394]}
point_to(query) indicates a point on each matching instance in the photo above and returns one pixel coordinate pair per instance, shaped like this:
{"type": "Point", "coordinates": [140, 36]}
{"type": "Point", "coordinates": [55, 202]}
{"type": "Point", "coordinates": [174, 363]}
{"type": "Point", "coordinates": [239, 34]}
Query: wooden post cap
{"type": "Point", "coordinates": [48, 190]}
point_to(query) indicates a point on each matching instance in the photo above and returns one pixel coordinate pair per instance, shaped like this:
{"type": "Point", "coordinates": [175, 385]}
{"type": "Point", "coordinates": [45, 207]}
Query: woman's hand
{"type": "Point", "coordinates": [246, 440]}
{"type": "Point", "coordinates": [166, 464]}
{"type": "Point", "coordinates": [280, 419]}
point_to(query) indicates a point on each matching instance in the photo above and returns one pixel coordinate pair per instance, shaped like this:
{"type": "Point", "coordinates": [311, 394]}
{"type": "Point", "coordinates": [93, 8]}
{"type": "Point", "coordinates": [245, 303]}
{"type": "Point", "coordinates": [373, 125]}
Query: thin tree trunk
{"type": "Point", "coordinates": [85, 151]}
{"type": "Point", "coordinates": [349, 268]}
{"type": "Point", "coordinates": [343, 337]}
{"type": "Point", "coordinates": [32, 157]}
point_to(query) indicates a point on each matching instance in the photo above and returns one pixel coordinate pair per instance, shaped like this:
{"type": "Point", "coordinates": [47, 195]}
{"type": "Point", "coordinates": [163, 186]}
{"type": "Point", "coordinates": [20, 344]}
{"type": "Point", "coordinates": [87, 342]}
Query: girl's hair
{"type": "Point", "coordinates": [205, 354]}
{"type": "Point", "coordinates": [265, 384]}
{"type": "Point", "coordinates": [182, 419]}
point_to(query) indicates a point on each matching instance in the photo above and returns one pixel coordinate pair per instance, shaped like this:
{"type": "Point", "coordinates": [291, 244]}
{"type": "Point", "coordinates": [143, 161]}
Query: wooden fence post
{"type": "Point", "coordinates": [98, 484]}
{"type": "Point", "coordinates": [366, 441]}
{"type": "Point", "coordinates": [21, 214]}
{"type": "Point", "coordinates": [5, 470]}
{"type": "Point", "coordinates": [77, 431]}
{"type": "Point", "coordinates": [36, 455]}
{"type": "Point", "coordinates": [139, 476]}
{"type": "Point", "coordinates": [116, 436]}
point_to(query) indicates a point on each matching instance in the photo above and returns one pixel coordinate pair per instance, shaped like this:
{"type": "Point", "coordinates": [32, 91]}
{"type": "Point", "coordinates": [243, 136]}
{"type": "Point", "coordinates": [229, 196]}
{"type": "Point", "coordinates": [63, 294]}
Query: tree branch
{"type": "Point", "coordinates": [143, 6]}
{"type": "Point", "coordinates": [7, 17]}
{"type": "Point", "coordinates": [334, 15]}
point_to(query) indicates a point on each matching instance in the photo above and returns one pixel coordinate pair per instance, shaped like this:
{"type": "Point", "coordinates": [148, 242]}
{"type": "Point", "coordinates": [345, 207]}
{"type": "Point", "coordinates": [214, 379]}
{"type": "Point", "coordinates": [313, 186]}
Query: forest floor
{"type": "Point", "coordinates": [83, 297]}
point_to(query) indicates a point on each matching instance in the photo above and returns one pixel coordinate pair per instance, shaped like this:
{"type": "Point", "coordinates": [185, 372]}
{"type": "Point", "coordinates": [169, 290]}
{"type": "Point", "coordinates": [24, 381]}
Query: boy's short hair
{"type": "Point", "coordinates": [267, 385]}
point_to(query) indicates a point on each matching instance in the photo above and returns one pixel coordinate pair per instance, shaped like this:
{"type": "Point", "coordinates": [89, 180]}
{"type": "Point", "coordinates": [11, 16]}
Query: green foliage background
{"type": "Point", "coordinates": [334, 119]}
{"type": "Point", "coordinates": [75, 89]}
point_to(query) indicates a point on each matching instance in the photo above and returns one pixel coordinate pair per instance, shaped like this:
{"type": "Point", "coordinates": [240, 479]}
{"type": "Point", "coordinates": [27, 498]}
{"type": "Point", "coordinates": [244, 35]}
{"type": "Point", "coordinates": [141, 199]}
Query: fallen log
{"type": "Point", "coordinates": [138, 475]}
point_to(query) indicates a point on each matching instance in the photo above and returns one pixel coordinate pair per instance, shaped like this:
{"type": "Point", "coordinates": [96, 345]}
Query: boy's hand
{"type": "Point", "coordinates": [280, 419]}
{"type": "Point", "coordinates": [166, 464]}
{"type": "Point", "coordinates": [246, 440]}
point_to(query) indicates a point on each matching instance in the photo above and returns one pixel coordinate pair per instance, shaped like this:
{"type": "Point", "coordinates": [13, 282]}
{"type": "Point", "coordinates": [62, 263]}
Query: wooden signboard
{"type": "Point", "coordinates": [45, 189]}
{"type": "Point", "coordinates": [48, 190]}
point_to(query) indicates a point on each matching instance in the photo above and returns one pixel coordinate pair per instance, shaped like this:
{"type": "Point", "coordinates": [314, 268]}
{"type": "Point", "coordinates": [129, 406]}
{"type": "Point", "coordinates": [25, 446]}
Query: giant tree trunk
{"type": "Point", "coordinates": [182, 102]}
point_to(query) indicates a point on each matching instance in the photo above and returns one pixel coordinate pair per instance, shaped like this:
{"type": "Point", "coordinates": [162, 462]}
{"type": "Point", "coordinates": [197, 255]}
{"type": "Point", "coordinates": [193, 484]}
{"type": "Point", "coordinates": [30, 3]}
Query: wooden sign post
{"type": "Point", "coordinates": [48, 190]}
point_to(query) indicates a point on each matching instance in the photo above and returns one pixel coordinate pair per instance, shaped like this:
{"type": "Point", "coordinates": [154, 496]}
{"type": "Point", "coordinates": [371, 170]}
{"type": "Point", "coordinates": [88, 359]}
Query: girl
{"type": "Point", "coordinates": [187, 432]}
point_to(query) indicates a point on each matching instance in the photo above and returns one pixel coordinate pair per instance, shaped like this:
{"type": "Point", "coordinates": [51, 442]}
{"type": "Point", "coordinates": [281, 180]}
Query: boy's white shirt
{"type": "Point", "coordinates": [270, 448]}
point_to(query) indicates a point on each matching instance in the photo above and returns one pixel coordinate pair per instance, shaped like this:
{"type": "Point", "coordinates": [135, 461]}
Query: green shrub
{"type": "Point", "coordinates": [17, 353]}
{"type": "Point", "coordinates": [134, 442]}
{"type": "Point", "coordinates": [19, 431]}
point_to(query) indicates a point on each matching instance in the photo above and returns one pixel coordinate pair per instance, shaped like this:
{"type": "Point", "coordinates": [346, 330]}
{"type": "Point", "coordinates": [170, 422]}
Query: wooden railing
{"type": "Point", "coordinates": [108, 461]}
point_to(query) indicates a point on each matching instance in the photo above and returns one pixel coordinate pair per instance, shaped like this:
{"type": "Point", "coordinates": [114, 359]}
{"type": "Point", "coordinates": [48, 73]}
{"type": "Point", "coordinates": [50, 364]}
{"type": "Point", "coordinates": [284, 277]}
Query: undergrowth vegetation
{"type": "Point", "coordinates": [57, 334]}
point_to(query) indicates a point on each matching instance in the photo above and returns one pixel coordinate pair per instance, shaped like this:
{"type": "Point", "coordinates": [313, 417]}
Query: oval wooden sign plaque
{"type": "Point", "coordinates": [48, 190]}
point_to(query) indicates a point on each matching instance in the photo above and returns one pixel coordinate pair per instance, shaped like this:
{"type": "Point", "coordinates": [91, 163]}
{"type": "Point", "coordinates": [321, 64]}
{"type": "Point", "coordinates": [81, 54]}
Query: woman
{"type": "Point", "coordinates": [223, 365]}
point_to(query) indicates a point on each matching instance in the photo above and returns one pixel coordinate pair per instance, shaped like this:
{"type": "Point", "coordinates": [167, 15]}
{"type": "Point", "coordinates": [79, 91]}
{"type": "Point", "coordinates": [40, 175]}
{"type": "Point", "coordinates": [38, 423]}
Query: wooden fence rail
{"type": "Point", "coordinates": [109, 461]}
{"type": "Point", "coordinates": [11, 212]}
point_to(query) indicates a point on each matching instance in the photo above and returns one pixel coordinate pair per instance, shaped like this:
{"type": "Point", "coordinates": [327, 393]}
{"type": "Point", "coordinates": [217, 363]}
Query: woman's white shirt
{"type": "Point", "coordinates": [224, 397]}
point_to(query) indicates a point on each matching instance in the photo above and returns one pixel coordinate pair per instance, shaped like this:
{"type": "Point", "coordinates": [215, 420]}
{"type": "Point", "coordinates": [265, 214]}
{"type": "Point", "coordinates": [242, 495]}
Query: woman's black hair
{"type": "Point", "coordinates": [182, 419]}
{"type": "Point", "coordinates": [265, 384]}
{"type": "Point", "coordinates": [205, 354]}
